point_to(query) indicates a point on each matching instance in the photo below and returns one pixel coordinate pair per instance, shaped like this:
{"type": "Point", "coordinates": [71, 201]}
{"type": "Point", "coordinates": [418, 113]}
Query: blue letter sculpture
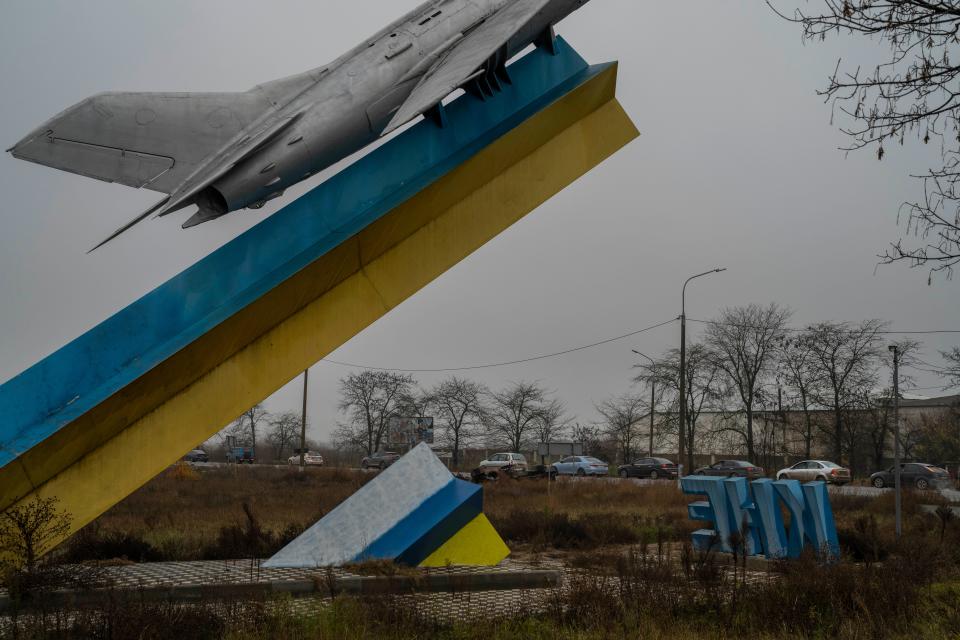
{"type": "Point", "coordinates": [735, 511]}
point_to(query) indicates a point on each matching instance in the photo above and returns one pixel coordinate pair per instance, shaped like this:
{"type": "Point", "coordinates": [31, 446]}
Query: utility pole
{"type": "Point", "coordinates": [653, 396]}
{"type": "Point", "coordinates": [653, 404]}
{"type": "Point", "coordinates": [896, 437]}
{"type": "Point", "coordinates": [303, 423]}
{"type": "Point", "coordinates": [783, 422]}
{"type": "Point", "coordinates": [683, 367]}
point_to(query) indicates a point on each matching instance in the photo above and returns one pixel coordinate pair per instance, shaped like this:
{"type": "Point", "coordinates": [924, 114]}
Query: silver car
{"type": "Point", "coordinates": [814, 470]}
{"type": "Point", "coordinates": [310, 459]}
{"type": "Point", "coordinates": [516, 462]}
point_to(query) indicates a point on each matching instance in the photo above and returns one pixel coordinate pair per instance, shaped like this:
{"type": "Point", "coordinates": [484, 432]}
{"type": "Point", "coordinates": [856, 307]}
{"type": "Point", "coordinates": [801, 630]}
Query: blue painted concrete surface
{"type": "Point", "coordinates": [92, 368]}
{"type": "Point", "coordinates": [732, 503]}
{"type": "Point", "coordinates": [425, 529]}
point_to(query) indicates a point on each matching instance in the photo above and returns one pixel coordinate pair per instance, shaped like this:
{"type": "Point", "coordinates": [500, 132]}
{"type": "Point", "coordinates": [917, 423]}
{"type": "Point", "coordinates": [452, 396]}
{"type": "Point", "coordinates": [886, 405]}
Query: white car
{"type": "Point", "coordinates": [811, 470]}
{"type": "Point", "coordinates": [310, 459]}
{"type": "Point", "coordinates": [515, 461]}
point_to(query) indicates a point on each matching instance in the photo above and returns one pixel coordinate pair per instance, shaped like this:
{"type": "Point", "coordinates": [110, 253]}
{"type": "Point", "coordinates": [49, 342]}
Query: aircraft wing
{"type": "Point", "coordinates": [464, 59]}
{"type": "Point", "coordinates": [144, 140]}
{"type": "Point", "coordinates": [211, 169]}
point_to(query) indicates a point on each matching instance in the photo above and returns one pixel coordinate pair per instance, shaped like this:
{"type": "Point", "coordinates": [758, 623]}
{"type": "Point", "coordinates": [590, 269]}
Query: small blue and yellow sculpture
{"type": "Point", "coordinates": [415, 513]}
{"type": "Point", "coordinates": [754, 511]}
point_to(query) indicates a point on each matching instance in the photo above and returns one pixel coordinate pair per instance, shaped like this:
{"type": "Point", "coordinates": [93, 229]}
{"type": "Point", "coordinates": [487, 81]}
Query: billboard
{"type": "Point", "coordinates": [557, 449]}
{"type": "Point", "coordinates": [409, 431]}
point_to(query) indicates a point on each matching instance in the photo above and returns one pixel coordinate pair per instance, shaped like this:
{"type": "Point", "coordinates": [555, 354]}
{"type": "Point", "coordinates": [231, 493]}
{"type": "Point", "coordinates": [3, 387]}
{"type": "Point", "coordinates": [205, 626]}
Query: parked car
{"type": "Point", "coordinates": [913, 474]}
{"type": "Point", "coordinates": [579, 466]}
{"type": "Point", "coordinates": [197, 455]}
{"type": "Point", "coordinates": [652, 468]}
{"type": "Point", "coordinates": [730, 469]}
{"type": "Point", "coordinates": [812, 470]}
{"type": "Point", "coordinates": [379, 460]}
{"type": "Point", "coordinates": [310, 459]}
{"type": "Point", "coordinates": [516, 461]}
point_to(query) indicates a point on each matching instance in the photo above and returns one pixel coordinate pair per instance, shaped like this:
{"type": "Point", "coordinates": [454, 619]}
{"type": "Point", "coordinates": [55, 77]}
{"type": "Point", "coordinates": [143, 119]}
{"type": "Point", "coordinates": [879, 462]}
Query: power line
{"type": "Point", "coordinates": [506, 364]}
{"type": "Point", "coordinates": [608, 341]}
{"type": "Point", "coordinates": [936, 367]}
{"type": "Point", "coordinates": [939, 387]}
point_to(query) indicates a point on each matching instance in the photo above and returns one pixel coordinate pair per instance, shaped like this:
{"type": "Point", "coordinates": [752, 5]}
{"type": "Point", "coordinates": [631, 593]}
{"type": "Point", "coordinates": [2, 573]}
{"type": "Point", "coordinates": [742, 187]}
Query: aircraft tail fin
{"type": "Point", "coordinates": [142, 140]}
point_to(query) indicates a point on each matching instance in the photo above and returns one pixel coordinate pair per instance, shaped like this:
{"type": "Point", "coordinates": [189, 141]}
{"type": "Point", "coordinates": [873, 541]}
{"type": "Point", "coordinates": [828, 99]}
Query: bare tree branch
{"type": "Point", "coordinates": [460, 408]}
{"type": "Point", "coordinates": [913, 94]}
{"type": "Point", "coordinates": [370, 399]}
{"type": "Point", "coordinates": [743, 342]}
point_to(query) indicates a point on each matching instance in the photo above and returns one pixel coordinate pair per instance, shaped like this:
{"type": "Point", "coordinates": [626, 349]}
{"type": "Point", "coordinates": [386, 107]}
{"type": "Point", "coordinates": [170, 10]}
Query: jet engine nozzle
{"type": "Point", "coordinates": [212, 205]}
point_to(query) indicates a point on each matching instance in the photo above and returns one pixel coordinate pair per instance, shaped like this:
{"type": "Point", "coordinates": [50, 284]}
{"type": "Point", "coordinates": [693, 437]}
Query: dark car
{"type": "Point", "coordinates": [732, 468]}
{"type": "Point", "coordinates": [652, 468]}
{"type": "Point", "coordinates": [913, 474]}
{"type": "Point", "coordinates": [379, 460]}
{"type": "Point", "coordinates": [197, 455]}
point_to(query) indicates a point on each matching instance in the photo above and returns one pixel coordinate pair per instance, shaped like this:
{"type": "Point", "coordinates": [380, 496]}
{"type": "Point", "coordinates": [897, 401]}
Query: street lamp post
{"type": "Point", "coordinates": [653, 395]}
{"type": "Point", "coordinates": [895, 350]}
{"type": "Point", "coordinates": [683, 366]}
{"type": "Point", "coordinates": [303, 423]}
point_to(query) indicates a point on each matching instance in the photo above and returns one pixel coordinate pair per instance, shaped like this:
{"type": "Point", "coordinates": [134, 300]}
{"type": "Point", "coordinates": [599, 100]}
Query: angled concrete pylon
{"type": "Point", "coordinates": [413, 513]}
{"type": "Point", "coordinates": [106, 413]}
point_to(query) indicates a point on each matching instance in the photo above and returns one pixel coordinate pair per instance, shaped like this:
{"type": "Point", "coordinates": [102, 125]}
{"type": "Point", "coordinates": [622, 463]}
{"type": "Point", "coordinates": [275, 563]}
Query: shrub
{"type": "Point", "coordinates": [562, 531]}
{"type": "Point", "coordinates": [92, 543]}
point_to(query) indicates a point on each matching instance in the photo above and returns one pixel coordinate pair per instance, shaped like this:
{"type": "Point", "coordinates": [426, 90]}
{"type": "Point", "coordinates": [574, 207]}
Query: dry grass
{"type": "Point", "coordinates": [585, 496]}
{"type": "Point", "coordinates": [251, 511]}
{"type": "Point", "coordinates": [241, 512]}
{"type": "Point", "coordinates": [181, 516]}
{"type": "Point", "coordinates": [600, 528]}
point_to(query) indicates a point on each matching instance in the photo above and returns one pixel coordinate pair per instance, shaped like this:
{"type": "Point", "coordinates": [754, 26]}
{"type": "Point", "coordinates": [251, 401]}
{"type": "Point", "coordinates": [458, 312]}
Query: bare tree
{"type": "Point", "coordinates": [952, 371]}
{"type": "Point", "coordinates": [702, 390]}
{"type": "Point", "coordinates": [590, 436]}
{"type": "Point", "coordinates": [845, 358]}
{"type": "Point", "coordinates": [911, 94]}
{"type": "Point", "coordinates": [515, 412]}
{"type": "Point", "coordinates": [30, 529]}
{"type": "Point", "coordinates": [743, 343]}
{"type": "Point", "coordinates": [623, 416]}
{"type": "Point", "coordinates": [877, 416]}
{"type": "Point", "coordinates": [370, 399]}
{"type": "Point", "coordinates": [414, 403]}
{"type": "Point", "coordinates": [284, 432]}
{"type": "Point", "coordinates": [553, 422]}
{"type": "Point", "coordinates": [940, 437]}
{"type": "Point", "coordinates": [246, 426]}
{"type": "Point", "coordinates": [460, 408]}
{"type": "Point", "coordinates": [855, 442]}
{"type": "Point", "coordinates": [797, 362]}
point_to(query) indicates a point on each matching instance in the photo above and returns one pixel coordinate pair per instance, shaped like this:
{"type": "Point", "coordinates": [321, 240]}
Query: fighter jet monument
{"type": "Point", "coordinates": [229, 151]}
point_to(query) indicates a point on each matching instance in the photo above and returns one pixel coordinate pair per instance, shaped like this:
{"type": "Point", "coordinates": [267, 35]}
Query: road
{"type": "Point", "coordinates": [869, 492]}
{"type": "Point", "coordinates": [853, 490]}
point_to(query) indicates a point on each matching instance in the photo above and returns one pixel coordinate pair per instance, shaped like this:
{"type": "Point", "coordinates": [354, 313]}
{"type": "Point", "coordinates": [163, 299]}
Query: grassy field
{"type": "Point", "coordinates": [881, 589]}
{"type": "Point", "coordinates": [244, 512]}
{"type": "Point", "coordinates": [241, 512]}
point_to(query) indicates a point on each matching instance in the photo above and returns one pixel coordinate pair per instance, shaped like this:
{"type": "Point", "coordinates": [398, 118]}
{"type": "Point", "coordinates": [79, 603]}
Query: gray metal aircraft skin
{"type": "Point", "coordinates": [230, 151]}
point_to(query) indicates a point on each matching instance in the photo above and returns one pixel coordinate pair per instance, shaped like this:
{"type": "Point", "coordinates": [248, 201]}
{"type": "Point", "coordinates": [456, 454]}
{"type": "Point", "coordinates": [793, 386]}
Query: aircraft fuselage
{"type": "Point", "coordinates": [352, 99]}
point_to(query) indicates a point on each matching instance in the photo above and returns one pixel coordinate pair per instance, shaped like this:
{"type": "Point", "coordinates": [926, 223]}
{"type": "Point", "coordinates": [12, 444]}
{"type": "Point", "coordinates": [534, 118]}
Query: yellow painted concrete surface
{"type": "Point", "coordinates": [476, 545]}
{"type": "Point", "coordinates": [146, 394]}
{"type": "Point", "coordinates": [295, 326]}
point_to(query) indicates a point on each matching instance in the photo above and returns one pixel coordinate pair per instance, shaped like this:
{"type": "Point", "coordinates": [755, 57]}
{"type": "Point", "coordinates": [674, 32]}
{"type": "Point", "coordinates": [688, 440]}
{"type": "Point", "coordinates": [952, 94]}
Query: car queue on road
{"type": "Point", "coordinates": [914, 475]}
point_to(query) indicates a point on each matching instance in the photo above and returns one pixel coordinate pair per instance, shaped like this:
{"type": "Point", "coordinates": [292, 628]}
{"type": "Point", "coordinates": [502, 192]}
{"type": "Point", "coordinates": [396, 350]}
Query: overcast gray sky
{"type": "Point", "coordinates": [737, 166]}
